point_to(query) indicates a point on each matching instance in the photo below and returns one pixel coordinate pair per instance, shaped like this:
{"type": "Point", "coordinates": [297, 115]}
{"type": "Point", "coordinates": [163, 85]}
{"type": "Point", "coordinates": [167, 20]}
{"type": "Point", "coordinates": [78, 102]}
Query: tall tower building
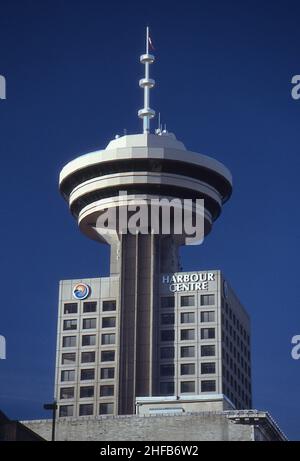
{"type": "Point", "coordinates": [148, 335]}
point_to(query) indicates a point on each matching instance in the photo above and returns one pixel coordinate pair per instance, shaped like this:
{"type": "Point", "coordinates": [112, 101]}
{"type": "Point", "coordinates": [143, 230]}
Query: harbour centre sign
{"type": "Point", "coordinates": [195, 281]}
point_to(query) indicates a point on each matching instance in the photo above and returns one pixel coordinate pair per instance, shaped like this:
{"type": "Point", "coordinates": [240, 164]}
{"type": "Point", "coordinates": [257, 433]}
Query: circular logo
{"type": "Point", "coordinates": [81, 291]}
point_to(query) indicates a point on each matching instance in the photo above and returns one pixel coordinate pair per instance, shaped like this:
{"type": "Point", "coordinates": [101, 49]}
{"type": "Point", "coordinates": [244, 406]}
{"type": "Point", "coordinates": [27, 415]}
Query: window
{"type": "Point", "coordinates": [207, 316]}
{"type": "Point", "coordinates": [167, 319]}
{"type": "Point", "coordinates": [66, 410]}
{"type": "Point", "coordinates": [106, 408]}
{"type": "Point", "coordinates": [108, 338]}
{"type": "Point", "coordinates": [88, 323]}
{"type": "Point", "coordinates": [69, 341]}
{"type": "Point", "coordinates": [86, 392]}
{"type": "Point", "coordinates": [106, 391]}
{"type": "Point", "coordinates": [207, 300]}
{"type": "Point", "coordinates": [167, 388]}
{"type": "Point", "coordinates": [86, 409]}
{"type": "Point", "coordinates": [107, 356]}
{"type": "Point", "coordinates": [167, 335]}
{"type": "Point", "coordinates": [167, 352]}
{"type": "Point", "coordinates": [70, 308]}
{"type": "Point", "coordinates": [68, 359]}
{"type": "Point", "coordinates": [187, 335]}
{"type": "Point", "coordinates": [108, 322]}
{"type": "Point", "coordinates": [109, 305]}
{"type": "Point", "coordinates": [207, 333]}
{"type": "Point", "coordinates": [208, 350]}
{"type": "Point", "coordinates": [187, 317]}
{"type": "Point", "coordinates": [167, 370]}
{"type": "Point", "coordinates": [88, 357]}
{"type": "Point", "coordinates": [87, 374]}
{"type": "Point", "coordinates": [68, 375]}
{"type": "Point", "coordinates": [70, 324]}
{"type": "Point", "coordinates": [187, 301]}
{"type": "Point", "coordinates": [187, 369]}
{"type": "Point", "coordinates": [208, 368]}
{"type": "Point", "coordinates": [208, 386]}
{"type": "Point", "coordinates": [107, 373]}
{"type": "Point", "coordinates": [187, 351]}
{"type": "Point", "coordinates": [67, 392]}
{"type": "Point", "coordinates": [90, 306]}
{"type": "Point", "coordinates": [187, 387]}
{"type": "Point", "coordinates": [167, 301]}
{"type": "Point", "coordinates": [88, 340]}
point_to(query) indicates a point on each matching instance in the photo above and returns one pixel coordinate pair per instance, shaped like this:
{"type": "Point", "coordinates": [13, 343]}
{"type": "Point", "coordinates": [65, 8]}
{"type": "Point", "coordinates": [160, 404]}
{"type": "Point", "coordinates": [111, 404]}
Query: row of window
{"type": "Point", "coordinates": [106, 390]}
{"type": "Point", "coordinates": [89, 374]}
{"type": "Point", "coordinates": [86, 409]}
{"type": "Point", "coordinates": [237, 324]}
{"type": "Point", "coordinates": [168, 387]}
{"type": "Point", "coordinates": [207, 350]}
{"type": "Point", "coordinates": [187, 369]}
{"type": "Point", "coordinates": [188, 334]}
{"type": "Point", "coordinates": [187, 301]}
{"type": "Point", "coordinates": [72, 324]}
{"type": "Point", "coordinates": [88, 340]}
{"type": "Point", "coordinates": [90, 357]}
{"type": "Point", "coordinates": [187, 317]}
{"type": "Point", "coordinates": [90, 306]}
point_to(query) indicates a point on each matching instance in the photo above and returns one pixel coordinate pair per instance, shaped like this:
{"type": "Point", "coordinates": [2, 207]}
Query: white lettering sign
{"type": "Point", "coordinates": [188, 282]}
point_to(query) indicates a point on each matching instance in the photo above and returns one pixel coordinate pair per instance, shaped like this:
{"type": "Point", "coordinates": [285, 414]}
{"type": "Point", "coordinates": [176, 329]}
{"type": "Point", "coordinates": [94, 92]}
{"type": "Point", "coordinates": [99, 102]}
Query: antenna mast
{"type": "Point", "coordinates": [147, 83]}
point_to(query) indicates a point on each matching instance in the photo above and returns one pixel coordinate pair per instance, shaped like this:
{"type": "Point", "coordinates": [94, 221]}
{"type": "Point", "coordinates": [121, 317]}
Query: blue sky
{"type": "Point", "coordinates": [223, 73]}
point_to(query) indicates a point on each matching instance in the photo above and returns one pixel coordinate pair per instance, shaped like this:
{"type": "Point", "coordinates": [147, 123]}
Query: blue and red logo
{"type": "Point", "coordinates": [81, 291]}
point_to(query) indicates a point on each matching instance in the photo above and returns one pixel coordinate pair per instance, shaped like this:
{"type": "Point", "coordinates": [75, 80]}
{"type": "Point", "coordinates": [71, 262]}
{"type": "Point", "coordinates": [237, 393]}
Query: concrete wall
{"type": "Point", "coordinates": [157, 428]}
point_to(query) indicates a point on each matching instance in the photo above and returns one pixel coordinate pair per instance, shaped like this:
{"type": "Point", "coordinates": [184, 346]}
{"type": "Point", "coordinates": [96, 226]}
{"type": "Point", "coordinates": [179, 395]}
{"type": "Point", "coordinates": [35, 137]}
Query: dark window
{"type": "Point", "coordinates": [167, 335]}
{"type": "Point", "coordinates": [66, 410]}
{"type": "Point", "coordinates": [187, 317]}
{"type": "Point", "coordinates": [88, 357]}
{"type": "Point", "coordinates": [68, 375]}
{"type": "Point", "coordinates": [109, 305]}
{"type": "Point", "coordinates": [68, 359]}
{"type": "Point", "coordinates": [207, 316]}
{"type": "Point", "coordinates": [106, 408]}
{"type": "Point", "coordinates": [187, 335]}
{"type": "Point", "coordinates": [207, 300]}
{"type": "Point", "coordinates": [167, 301]}
{"type": "Point", "coordinates": [187, 369]}
{"type": "Point", "coordinates": [106, 391]}
{"type": "Point", "coordinates": [187, 301]}
{"type": "Point", "coordinates": [89, 306]}
{"type": "Point", "coordinates": [208, 350]}
{"type": "Point", "coordinates": [88, 340]}
{"type": "Point", "coordinates": [208, 368]}
{"type": "Point", "coordinates": [188, 351]}
{"type": "Point", "coordinates": [167, 319]}
{"type": "Point", "coordinates": [107, 356]}
{"type": "Point", "coordinates": [88, 323]}
{"type": "Point", "coordinates": [87, 374]}
{"type": "Point", "coordinates": [108, 322]}
{"type": "Point", "coordinates": [167, 352]}
{"type": "Point", "coordinates": [86, 409]}
{"type": "Point", "coordinates": [70, 324]}
{"type": "Point", "coordinates": [109, 338]}
{"type": "Point", "coordinates": [69, 341]}
{"type": "Point", "coordinates": [167, 370]}
{"type": "Point", "coordinates": [187, 386]}
{"type": "Point", "coordinates": [167, 388]}
{"type": "Point", "coordinates": [207, 333]}
{"type": "Point", "coordinates": [67, 392]}
{"type": "Point", "coordinates": [107, 373]}
{"type": "Point", "coordinates": [86, 392]}
{"type": "Point", "coordinates": [70, 308]}
{"type": "Point", "coordinates": [208, 386]}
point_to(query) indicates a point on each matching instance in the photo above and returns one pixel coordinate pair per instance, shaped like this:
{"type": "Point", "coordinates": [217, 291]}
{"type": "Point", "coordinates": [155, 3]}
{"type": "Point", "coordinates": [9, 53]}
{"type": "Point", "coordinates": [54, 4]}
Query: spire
{"type": "Point", "coordinates": [147, 83]}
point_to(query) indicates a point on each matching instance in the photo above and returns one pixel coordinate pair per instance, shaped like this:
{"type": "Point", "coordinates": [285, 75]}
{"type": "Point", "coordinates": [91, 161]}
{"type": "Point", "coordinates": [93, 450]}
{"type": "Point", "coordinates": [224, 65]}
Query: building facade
{"type": "Point", "coordinates": [199, 344]}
